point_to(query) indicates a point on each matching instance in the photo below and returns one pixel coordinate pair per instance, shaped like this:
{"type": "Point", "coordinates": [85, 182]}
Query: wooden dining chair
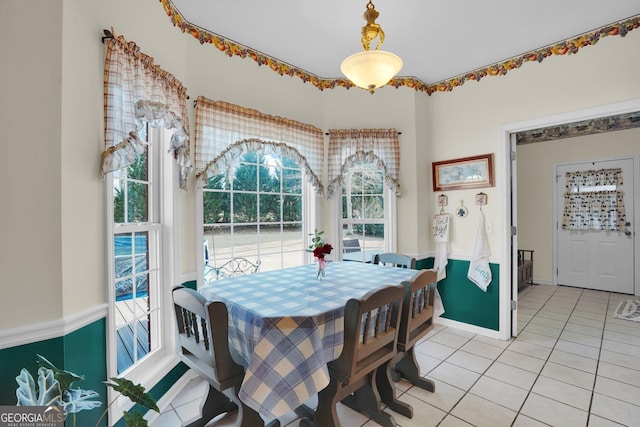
{"type": "Point", "coordinates": [395, 260]}
{"type": "Point", "coordinates": [370, 336]}
{"type": "Point", "coordinates": [204, 347]}
{"type": "Point", "coordinates": [416, 321]}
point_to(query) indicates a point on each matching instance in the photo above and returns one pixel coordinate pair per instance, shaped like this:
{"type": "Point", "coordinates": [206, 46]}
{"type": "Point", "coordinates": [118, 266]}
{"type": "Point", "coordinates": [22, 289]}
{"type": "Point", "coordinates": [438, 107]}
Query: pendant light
{"type": "Point", "coordinates": [371, 69]}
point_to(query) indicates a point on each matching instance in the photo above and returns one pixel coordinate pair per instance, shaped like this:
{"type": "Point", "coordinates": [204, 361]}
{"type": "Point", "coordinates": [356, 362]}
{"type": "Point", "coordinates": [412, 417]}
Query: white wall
{"type": "Point", "coordinates": [467, 120]}
{"type": "Point", "coordinates": [30, 168]}
{"type": "Point", "coordinates": [83, 232]}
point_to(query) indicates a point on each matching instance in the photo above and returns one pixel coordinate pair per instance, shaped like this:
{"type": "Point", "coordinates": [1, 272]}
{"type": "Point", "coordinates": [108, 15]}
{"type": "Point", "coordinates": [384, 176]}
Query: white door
{"type": "Point", "coordinates": [602, 260]}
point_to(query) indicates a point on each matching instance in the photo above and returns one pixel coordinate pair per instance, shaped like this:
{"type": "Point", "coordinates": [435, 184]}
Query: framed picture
{"type": "Point", "coordinates": [466, 172]}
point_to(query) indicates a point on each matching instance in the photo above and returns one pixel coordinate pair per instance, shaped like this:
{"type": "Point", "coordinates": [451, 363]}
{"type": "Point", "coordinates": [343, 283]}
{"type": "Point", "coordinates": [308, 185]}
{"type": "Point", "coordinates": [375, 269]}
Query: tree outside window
{"type": "Point", "coordinates": [255, 213]}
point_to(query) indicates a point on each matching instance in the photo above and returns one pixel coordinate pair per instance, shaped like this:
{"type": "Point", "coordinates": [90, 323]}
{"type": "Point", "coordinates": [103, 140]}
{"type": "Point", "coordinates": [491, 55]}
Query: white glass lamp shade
{"type": "Point", "coordinates": [371, 69]}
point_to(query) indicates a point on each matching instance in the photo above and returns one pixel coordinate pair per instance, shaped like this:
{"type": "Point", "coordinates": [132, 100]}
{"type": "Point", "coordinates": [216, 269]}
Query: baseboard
{"type": "Point", "coordinates": [54, 329]}
{"type": "Point", "coordinates": [542, 282]}
{"type": "Point", "coordinates": [469, 328]}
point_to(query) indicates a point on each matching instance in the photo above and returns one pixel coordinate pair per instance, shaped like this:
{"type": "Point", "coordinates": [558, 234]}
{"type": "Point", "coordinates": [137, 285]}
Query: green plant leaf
{"type": "Point", "coordinates": [65, 378]}
{"type": "Point", "coordinates": [46, 394]}
{"type": "Point", "coordinates": [135, 392]}
{"type": "Point", "coordinates": [76, 400]}
{"type": "Point", "coordinates": [134, 420]}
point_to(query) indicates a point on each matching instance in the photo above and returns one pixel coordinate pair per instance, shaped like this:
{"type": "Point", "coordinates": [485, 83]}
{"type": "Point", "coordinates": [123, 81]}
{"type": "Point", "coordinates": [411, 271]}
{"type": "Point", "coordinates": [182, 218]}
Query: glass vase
{"type": "Point", "coordinates": [322, 265]}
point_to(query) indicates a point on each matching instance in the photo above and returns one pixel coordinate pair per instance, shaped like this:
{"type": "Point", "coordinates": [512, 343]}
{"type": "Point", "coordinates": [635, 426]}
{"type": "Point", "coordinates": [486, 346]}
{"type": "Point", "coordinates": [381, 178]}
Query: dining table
{"type": "Point", "coordinates": [286, 325]}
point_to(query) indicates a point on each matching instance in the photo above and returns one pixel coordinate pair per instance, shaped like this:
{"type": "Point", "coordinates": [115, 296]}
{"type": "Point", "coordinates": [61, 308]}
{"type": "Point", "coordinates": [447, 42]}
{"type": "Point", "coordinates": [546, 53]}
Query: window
{"type": "Point", "coordinates": [256, 213]}
{"type": "Point", "coordinates": [140, 266]}
{"type": "Point", "coordinates": [366, 212]}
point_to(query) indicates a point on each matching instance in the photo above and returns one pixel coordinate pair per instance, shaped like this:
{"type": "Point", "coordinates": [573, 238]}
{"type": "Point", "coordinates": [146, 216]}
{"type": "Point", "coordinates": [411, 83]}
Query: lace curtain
{"type": "Point", "coordinates": [348, 147]}
{"type": "Point", "coordinates": [593, 178]}
{"type": "Point", "coordinates": [225, 131]}
{"type": "Point", "coordinates": [138, 92]}
{"type": "Point", "coordinates": [587, 207]}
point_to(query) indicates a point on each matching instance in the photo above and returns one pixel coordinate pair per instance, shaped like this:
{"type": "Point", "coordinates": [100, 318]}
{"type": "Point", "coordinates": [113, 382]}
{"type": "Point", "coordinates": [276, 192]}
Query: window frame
{"type": "Point", "coordinates": [309, 215]}
{"type": "Point", "coordinates": [162, 172]}
{"type": "Point", "coordinates": [390, 219]}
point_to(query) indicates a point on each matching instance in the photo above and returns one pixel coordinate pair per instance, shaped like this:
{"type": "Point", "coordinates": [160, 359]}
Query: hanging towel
{"type": "Point", "coordinates": [479, 271]}
{"type": "Point", "coordinates": [441, 238]}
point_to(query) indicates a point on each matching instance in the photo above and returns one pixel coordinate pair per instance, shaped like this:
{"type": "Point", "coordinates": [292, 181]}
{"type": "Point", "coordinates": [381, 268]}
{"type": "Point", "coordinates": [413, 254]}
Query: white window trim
{"type": "Point", "coordinates": [390, 215]}
{"type": "Point", "coordinates": [158, 363]}
{"type": "Point", "coordinates": [309, 215]}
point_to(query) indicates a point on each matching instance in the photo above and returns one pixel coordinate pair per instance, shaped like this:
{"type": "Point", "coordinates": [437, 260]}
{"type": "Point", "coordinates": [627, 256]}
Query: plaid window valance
{"type": "Point", "coordinates": [136, 93]}
{"type": "Point", "coordinates": [225, 131]}
{"type": "Point", "coordinates": [351, 146]}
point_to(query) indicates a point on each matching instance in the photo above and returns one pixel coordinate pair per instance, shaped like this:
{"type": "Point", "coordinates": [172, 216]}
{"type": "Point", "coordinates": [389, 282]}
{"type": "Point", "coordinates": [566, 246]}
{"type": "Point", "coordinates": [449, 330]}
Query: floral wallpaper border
{"type": "Point", "coordinates": [230, 48]}
{"type": "Point", "coordinates": [584, 127]}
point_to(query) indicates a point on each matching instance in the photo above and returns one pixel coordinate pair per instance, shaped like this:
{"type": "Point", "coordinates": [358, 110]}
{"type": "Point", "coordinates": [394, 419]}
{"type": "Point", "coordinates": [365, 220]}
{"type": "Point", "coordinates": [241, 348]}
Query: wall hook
{"type": "Point", "coordinates": [481, 199]}
{"type": "Point", "coordinates": [442, 202]}
{"type": "Point", "coordinates": [108, 35]}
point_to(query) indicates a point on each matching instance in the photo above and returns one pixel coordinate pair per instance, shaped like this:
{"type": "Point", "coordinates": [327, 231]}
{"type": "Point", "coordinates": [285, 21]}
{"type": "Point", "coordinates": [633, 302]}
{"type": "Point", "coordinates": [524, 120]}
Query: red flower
{"type": "Point", "coordinates": [320, 251]}
{"type": "Point", "coordinates": [317, 252]}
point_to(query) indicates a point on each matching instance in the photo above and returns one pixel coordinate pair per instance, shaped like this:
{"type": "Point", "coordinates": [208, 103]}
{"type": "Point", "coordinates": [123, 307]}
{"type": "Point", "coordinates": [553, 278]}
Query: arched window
{"type": "Point", "coordinates": [256, 177]}
{"type": "Point", "coordinates": [363, 167]}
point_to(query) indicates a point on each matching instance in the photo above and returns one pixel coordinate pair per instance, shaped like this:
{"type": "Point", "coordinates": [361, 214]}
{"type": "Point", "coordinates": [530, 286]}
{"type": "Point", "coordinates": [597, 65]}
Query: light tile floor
{"type": "Point", "coordinates": [573, 364]}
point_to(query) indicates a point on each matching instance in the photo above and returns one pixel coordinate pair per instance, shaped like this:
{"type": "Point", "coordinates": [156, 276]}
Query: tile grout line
{"type": "Point", "coordinates": [489, 367]}
{"type": "Point", "coordinates": [545, 360]}
{"type": "Point", "coordinates": [595, 377]}
{"type": "Point", "coordinates": [582, 293]}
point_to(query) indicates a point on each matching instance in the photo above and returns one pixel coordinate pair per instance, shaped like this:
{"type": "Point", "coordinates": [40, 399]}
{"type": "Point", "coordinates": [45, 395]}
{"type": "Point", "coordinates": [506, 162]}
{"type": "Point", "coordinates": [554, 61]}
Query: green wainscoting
{"type": "Point", "coordinates": [424, 264]}
{"type": "Point", "coordinates": [190, 284]}
{"type": "Point", "coordinates": [85, 354]}
{"type": "Point", "coordinates": [13, 359]}
{"type": "Point", "coordinates": [82, 352]}
{"type": "Point", "coordinates": [465, 302]}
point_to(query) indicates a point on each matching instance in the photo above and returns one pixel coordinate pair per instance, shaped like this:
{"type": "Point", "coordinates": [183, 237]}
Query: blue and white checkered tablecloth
{"type": "Point", "coordinates": [286, 325]}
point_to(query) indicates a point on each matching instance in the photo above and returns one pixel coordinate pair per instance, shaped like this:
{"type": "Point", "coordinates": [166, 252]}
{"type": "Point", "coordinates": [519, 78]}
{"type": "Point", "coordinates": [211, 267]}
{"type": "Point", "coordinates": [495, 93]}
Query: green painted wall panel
{"type": "Point", "coordinates": [190, 284]}
{"type": "Point", "coordinates": [424, 264]}
{"type": "Point", "coordinates": [85, 354]}
{"type": "Point", "coordinates": [82, 352]}
{"type": "Point", "coordinates": [465, 302]}
{"type": "Point", "coordinates": [13, 359]}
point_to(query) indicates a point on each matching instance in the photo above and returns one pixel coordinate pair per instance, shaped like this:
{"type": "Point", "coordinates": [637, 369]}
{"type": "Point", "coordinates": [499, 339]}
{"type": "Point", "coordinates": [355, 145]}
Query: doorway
{"type": "Point", "coordinates": [509, 134]}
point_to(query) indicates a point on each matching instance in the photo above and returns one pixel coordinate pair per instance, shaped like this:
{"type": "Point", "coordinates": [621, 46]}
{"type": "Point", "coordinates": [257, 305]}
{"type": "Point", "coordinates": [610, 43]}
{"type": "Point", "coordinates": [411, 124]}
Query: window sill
{"type": "Point", "coordinates": [148, 374]}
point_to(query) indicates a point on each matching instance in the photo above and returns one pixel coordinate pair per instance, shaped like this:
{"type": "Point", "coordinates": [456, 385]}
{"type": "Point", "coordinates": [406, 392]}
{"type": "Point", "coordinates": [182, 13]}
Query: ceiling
{"type": "Point", "coordinates": [436, 39]}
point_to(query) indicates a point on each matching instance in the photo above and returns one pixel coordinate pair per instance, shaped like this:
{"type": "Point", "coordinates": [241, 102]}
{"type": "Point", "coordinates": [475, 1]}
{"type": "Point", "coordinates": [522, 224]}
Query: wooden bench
{"type": "Point", "coordinates": [525, 268]}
